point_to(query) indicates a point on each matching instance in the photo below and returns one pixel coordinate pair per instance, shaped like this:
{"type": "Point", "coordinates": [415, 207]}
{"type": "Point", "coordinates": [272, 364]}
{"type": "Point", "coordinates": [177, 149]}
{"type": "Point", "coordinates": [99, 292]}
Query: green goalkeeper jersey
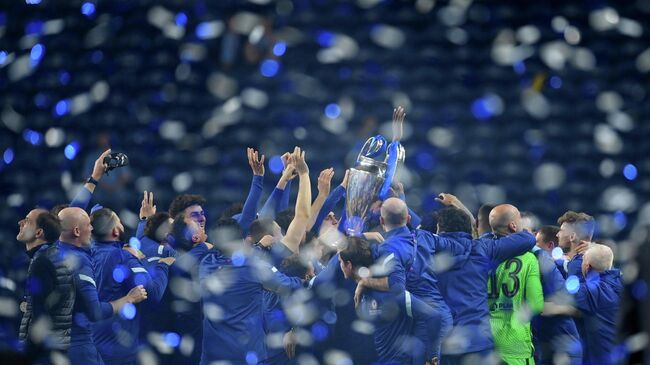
{"type": "Point", "coordinates": [514, 295]}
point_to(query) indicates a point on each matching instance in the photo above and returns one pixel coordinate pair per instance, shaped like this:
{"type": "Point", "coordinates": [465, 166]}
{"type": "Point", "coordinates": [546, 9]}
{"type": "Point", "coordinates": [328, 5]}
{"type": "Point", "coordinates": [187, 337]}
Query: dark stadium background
{"type": "Point", "coordinates": [541, 104]}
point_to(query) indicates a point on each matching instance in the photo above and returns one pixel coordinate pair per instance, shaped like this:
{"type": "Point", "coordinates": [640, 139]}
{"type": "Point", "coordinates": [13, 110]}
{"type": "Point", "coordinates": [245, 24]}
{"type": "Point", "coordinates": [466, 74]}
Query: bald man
{"type": "Point", "coordinates": [116, 272]}
{"type": "Point", "coordinates": [597, 302]}
{"type": "Point", "coordinates": [70, 296]}
{"type": "Point", "coordinates": [514, 289]}
{"type": "Point", "coordinates": [406, 266]}
{"type": "Point", "coordinates": [464, 285]}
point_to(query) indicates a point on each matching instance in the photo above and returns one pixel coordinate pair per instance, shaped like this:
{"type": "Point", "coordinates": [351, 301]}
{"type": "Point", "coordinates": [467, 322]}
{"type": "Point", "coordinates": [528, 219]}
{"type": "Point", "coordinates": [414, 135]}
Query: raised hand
{"type": "Point", "coordinates": [289, 172]}
{"type": "Point", "coordinates": [298, 160]}
{"type": "Point", "coordinates": [100, 167]}
{"type": "Point", "coordinates": [582, 247]}
{"type": "Point", "coordinates": [447, 199]}
{"type": "Point", "coordinates": [256, 162]}
{"type": "Point", "coordinates": [137, 294]}
{"type": "Point", "coordinates": [147, 208]}
{"type": "Point", "coordinates": [399, 114]}
{"type": "Point", "coordinates": [285, 159]}
{"type": "Point", "coordinates": [325, 181]}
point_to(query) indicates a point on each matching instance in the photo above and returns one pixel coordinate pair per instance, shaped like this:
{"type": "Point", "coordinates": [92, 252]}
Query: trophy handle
{"type": "Point", "coordinates": [373, 147]}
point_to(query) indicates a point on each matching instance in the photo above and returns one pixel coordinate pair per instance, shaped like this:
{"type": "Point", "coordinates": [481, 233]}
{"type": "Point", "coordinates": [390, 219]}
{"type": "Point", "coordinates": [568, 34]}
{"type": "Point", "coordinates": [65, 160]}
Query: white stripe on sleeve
{"type": "Point", "coordinates": [409, 310]}
{"type": "Point", "coordinates": [88, 279]}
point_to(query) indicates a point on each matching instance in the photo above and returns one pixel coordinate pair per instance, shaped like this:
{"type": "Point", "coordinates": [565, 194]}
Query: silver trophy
{"type": "Point", "coordinates": [368, 178]}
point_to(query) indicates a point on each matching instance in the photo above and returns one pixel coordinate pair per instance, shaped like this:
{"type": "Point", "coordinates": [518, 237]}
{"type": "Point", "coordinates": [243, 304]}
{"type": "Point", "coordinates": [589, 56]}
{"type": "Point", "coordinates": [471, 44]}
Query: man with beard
{"type": "Point", "coordinates": [575, 229]}
{"type": "Point", "coordinates": [117, 269]}
{"type": "Point", "coordinates": [68, 298]}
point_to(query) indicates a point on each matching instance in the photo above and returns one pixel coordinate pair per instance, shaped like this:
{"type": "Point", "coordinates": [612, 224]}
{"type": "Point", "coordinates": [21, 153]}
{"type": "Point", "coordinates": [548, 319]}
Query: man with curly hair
{"type": "Point", "coordinates": [191, 205]}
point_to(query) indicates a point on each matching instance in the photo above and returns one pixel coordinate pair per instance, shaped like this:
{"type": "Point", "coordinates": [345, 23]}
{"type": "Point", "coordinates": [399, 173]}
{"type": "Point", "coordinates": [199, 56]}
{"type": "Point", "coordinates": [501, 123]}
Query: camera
{"type": "Point", "coordinates": [115, 160]}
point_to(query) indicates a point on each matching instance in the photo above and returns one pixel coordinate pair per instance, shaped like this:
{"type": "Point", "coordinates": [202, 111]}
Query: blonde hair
{"type": "Point", "coordinates": [600, 257]}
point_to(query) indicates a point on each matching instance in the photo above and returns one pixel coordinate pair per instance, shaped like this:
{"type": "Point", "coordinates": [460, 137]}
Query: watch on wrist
{"type": "Point", "coordinates": [92, 181]}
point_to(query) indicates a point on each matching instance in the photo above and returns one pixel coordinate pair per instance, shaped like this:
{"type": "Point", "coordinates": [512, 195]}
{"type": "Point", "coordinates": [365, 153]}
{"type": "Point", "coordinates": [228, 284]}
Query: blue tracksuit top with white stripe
{"type": "Point", "coordinates": [464, 287]}
{"type": "Point", "coordinates": [154, 251]}
{"type": "Point", "coordinates": [599, 299]}
{"type": "Point", "coordinates": [233, 288]}
{"type": "Point", "coordinates": [395, 256]}
{"type": "Point", "coordinates": [117, 271]}
{"type": "Point", "coordinates": [87, 307]}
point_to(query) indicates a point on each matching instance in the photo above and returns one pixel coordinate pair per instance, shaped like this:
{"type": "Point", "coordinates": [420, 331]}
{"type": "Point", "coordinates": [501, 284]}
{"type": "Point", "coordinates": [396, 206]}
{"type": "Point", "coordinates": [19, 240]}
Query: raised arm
{"type": "Point", "coordinates": [330, 203]}
{"type": "Point", "coordinates": [249, 210]}
{"type": "Point", "coordinates": [298, 226]}
{"type": "Point", "coordinates": [510, 246]}
{"type": "Point", "coordinates": [273, 204]}
{"type": "Point", "coordinates": [451, 200]}
{"type": "Point", "coordinates": [286, 192]}
{"type": "Point", "coordinates": [275, 281]}
{"type": "Point", "coordinates": [324, 183]}
{"type": "Point", "coordinates": [82, 199]}
{"type": "Point", "coordinates": [147, 209]}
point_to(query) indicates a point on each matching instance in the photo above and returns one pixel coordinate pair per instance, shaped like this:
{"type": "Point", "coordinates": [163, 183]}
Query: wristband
{"type": "Point", "coordinates": [92, 181]}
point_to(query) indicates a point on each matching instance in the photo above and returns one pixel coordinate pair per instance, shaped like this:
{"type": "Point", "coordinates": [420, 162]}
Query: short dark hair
{"type": "Point", "coordinates": [430, 222]}
{"type": "Point", "coordinates": [181, 236]}
{"type": "Point", "coordinates": [294, 266]}
{"type": "Point", "coordinates": [452, 219]}
{"type": "Point", "coordinates": [153, 224]}
{"type": "Point", "coordinates": [484, 213]}
{"type": "Point", "coordinates": [260, 228]}
{"type": "Point", "coordinates": [232, 210]}
{"type": "Point", "coordinates": [50, 225]}
{"type": "Point", "coordinates": [357, 252]}
{"type": "Point", "coordinates": [284, 218]}
{"type": "Point", "coordinates": [549, 234]}
{"type": "Point", "coordinates": [181, 202]}
{"type": "Point", "coordinates": [58, 208]}
{"type": "Point", "coordinates": [583, 223]}
{"type": "Point", "coordinates": [103, 221]}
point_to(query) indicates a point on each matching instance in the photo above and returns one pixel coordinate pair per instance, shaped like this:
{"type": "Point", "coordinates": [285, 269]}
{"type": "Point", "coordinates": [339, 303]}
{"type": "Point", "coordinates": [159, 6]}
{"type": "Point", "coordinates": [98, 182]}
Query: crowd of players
{"type": "Point", "coordinates": [281, 286]}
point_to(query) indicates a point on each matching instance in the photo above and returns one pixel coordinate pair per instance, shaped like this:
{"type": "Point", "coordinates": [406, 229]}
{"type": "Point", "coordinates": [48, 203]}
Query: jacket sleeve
{"type": "Point", "coordinates": [139, 232]}
{"type": "Point", "coordinates": [249, 211]}
{"type": "Point", "coordinates": [82, 199]}
{"type": "Point", "coordinates": [442, 243]}
{"type": "Point", "coordinates": [87, 293]}
{"type": "Point", "coordinates": [153, 278]}
{"type": "Point", "coordinates": [391, 266]}
{"type": "Point", "coordinates": [328, 206]}
{"type": "Point", "coordinates": [510, 246]}
{"type": "Point", "coordinates": [272, 205]}
{"type": "Point", "coordinates": [286, 193]}
{"type": "Point", "coordinates": [275, 281]}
